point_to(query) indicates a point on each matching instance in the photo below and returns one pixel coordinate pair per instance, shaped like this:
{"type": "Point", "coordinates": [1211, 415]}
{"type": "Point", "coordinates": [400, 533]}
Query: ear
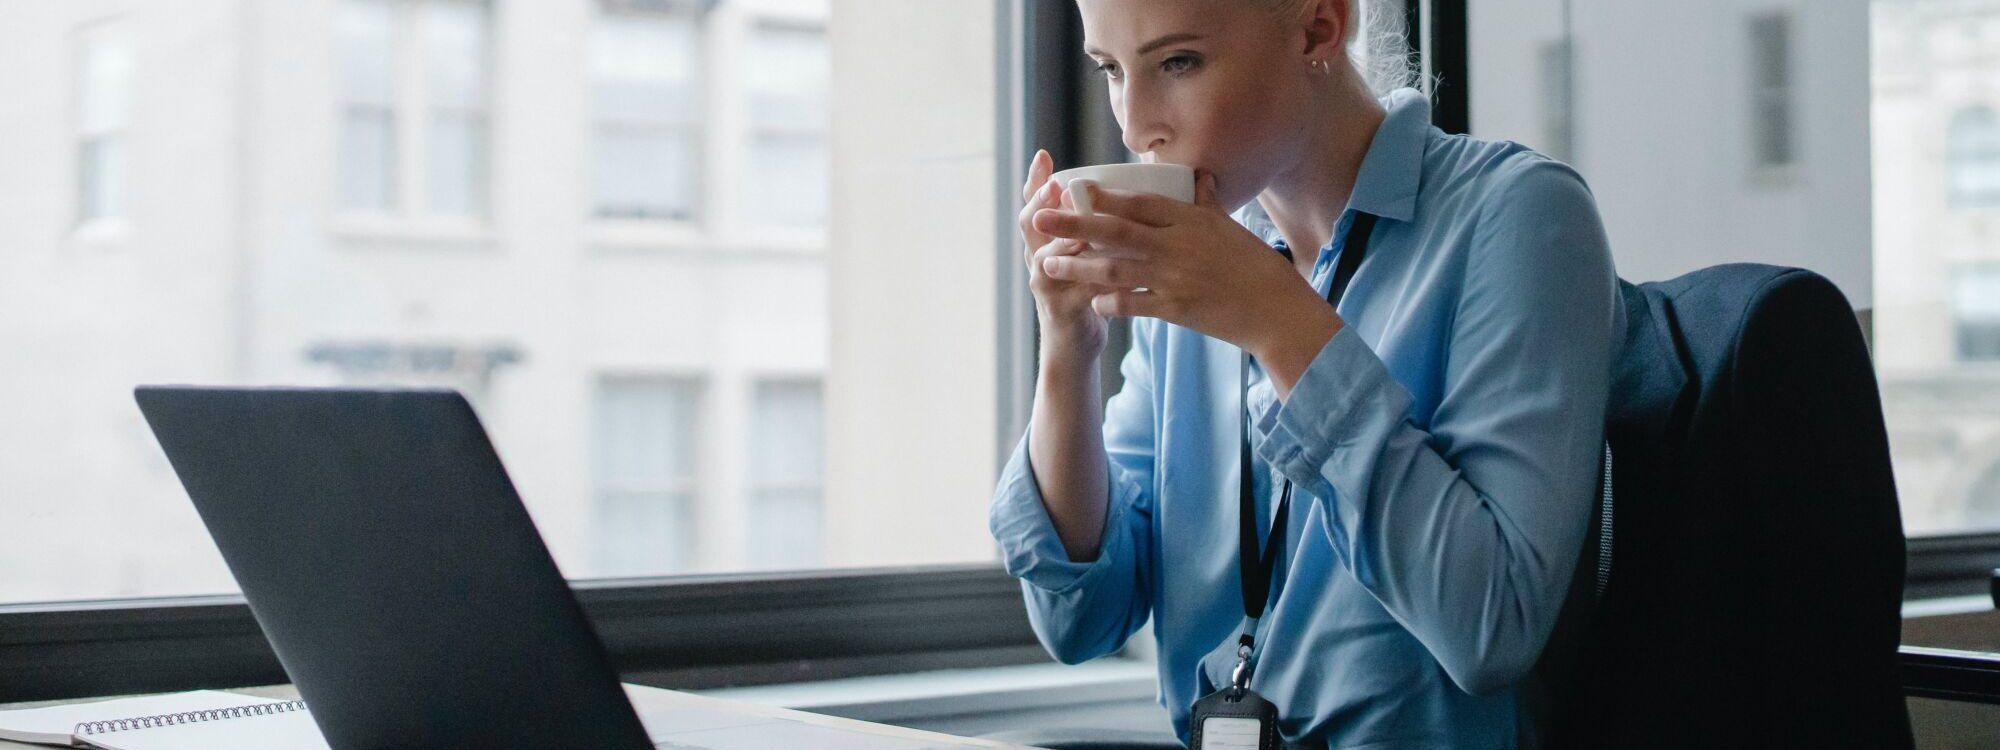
{"type": "Point", "coordinates": [1328, 25]}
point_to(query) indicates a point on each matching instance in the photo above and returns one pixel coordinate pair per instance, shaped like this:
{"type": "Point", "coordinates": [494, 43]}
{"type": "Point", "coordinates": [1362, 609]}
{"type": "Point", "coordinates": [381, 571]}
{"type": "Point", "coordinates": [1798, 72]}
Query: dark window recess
{"type": "Point", "coordinates": [1771, 90]}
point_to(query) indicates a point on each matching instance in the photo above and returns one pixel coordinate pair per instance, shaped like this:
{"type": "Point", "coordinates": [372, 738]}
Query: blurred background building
{"type": "Point", "coordinates": [610, 223]}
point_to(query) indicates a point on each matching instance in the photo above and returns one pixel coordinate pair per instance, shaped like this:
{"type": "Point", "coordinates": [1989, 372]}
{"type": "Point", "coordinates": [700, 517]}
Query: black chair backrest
{"type": "Point", "coordinates": [1754, 589]}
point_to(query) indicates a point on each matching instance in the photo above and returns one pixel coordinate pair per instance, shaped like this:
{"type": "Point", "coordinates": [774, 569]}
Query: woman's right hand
{"type": "Point", "coordinates": [1069, 323]}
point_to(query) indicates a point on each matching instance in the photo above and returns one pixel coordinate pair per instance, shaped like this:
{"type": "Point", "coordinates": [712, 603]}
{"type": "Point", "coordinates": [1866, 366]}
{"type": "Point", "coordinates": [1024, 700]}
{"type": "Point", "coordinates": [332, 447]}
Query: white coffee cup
{"type": "Point", "coordinates": [1174, 181]}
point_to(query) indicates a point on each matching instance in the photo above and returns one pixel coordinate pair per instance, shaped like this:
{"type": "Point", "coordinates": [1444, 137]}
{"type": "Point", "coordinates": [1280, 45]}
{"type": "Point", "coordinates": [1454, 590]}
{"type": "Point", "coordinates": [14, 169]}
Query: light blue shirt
{"type": "Point", "coordinates": [1444, 447]}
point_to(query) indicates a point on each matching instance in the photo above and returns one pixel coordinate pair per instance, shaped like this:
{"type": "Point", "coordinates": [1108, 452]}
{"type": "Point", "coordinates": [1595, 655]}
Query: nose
{"type": "Point", "coordinates": [1145, 130]}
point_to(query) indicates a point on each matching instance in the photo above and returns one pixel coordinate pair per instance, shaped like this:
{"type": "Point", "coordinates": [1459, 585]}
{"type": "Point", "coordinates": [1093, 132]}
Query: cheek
{"type": "Point", "coordinates": [1246, 140]}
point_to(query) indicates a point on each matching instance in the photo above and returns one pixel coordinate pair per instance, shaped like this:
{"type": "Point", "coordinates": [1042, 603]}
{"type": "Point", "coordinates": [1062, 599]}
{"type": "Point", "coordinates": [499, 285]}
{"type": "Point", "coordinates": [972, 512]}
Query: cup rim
{"type": "Point", "coordinates": [1066, 175]}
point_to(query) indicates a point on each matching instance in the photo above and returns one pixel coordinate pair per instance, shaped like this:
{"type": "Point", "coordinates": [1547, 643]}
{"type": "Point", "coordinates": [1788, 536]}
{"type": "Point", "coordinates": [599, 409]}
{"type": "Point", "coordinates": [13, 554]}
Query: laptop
{"type": "Point", "coordinates": [398, 577]}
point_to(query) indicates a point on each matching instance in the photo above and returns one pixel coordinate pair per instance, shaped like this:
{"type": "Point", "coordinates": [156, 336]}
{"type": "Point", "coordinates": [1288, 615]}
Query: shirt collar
{"type": "Point", "coordinates": [1391, 171]}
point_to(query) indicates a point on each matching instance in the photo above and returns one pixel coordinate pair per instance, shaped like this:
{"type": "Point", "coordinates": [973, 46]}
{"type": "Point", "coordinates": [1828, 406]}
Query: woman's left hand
{"type": "Point", "coordinates": [1201, 270]}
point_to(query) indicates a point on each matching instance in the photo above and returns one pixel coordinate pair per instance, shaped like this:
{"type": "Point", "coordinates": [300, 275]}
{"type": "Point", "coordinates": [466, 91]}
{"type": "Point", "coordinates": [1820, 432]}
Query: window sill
{"type": "Point", "coordinates": [384, 233]}
{"type": "Point", "coordinates": [621, 238]}
{"type": "Point", "coordinates": [905, 697]}
{"type": "Point", "coordinates": [101, 235]}
{"type": "Point", "coordinates": [1947, 605]}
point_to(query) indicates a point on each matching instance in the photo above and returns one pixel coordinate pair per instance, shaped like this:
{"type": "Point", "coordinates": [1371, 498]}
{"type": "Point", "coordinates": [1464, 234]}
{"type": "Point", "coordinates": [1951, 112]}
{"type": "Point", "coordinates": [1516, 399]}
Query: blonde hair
{"type": "Point", "coordinates": [1382, 53]}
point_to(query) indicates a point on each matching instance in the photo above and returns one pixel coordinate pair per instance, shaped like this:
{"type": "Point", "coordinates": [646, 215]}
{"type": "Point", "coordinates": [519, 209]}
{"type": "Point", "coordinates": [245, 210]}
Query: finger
{"type": "Point", "coordinates": [1040, 199]}
{"type": "Point", "coordinates": [1096, 229]}
{"type": "Point", "coordinates": [1145, 208]}
{"type": "Point", "coordinates": [1112, 272]}
{"type": "Point", "coordinates": [1127, 303]}
{"type": "Point", "coordinates": [1204, 191]}
{"type": "Point", "coordinates": [1043, 198]}
{"type": "Point", "coordinates": [1054, 248]}
{"type": "Point", "coordinates": [1039, 169]}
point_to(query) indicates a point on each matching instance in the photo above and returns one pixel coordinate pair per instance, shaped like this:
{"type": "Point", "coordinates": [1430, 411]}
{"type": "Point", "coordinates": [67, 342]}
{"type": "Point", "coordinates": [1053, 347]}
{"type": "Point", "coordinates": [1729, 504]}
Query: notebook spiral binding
{"type": "Point", "coordinates": [88, 728]}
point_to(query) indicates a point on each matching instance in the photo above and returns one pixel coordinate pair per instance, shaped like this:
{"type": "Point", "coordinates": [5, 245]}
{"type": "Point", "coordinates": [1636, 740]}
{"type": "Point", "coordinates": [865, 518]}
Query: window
{"type": "Point", "coordinates": [103, 114]}
{"type": "Point", "coordinates": [1557, 63]}
{"type": "Point", "coordinates": [646, 94]}
{"type": "Point", "coordinates": [1972, 158]}
{"type": "Point", "coordinates": [785, 102]}
{"type": "Point", "coordinates": [1771, 90]}
{"type": "Point", "coordinates": [316, 189]}
{"type": "Point", "coordinates": [644, 458]}
{"type": "Point", "coordinates": [413, 129]}
{"type": "Point", "coordinates": [1660, 133]}
{"type": "Point", "coordinates": [1976, 313]}
{"type": "Point", "coordinates": [786, 499]}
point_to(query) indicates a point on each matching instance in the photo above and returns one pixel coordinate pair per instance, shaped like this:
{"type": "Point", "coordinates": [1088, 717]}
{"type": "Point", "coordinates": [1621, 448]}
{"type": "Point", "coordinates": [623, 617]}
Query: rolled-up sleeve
{"type": "Point", "coordinates": [1085, 609]}
{"type": "Point", "coordinates": [1468, 532]}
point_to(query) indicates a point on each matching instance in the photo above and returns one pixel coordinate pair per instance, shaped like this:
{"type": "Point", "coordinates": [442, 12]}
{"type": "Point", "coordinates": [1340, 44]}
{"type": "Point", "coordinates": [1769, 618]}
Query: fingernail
{"type": "Point", "coordinates": [1051, 265]}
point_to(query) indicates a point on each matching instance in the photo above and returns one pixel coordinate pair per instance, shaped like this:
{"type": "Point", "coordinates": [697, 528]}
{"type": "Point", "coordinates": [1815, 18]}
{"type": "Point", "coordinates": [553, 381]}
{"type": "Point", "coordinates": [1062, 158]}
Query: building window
{"type": "Point", "coordinates": [1976, 313]}
{"type": "Point", "coordinates": [644, 458]}
{"type": "Point", "coordinates": [1556, 62]}
{"type": "Point", "coordinates": [1772, 130]}
{"type": "Point", "coordinates": [646, 112]}
{"type": "Point", "coordinates": [103, 101]}
{"type": "Point", "coordinates": [414, 123]}
{"type": "Point", "coordinates": [785, 84]}
{"type": "Point", "coordinates": [1972, 158]}
{"type": "Point", "coordinates": [787, 511]}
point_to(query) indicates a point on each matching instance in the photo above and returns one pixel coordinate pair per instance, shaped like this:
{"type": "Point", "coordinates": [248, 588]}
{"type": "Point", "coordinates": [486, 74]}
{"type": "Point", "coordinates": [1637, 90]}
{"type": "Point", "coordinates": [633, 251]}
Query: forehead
{"type": "Point", "coordinates": [1119, 27]}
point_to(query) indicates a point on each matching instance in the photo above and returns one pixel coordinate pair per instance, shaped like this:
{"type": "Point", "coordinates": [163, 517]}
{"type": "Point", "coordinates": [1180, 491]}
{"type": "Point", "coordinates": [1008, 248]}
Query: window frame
{"type": "Point", "coordinates": [696, 129]}
{"type": "Point", "coordinates": [412, 109]}
{"type": "Point", "coordinates": [1773, 103]}
{"type": "Point", "coordinates": [82, 40]}
{"type": "Point", "coordinates": [754, 628]}
{"type": "Point", "coordinates": [1963, 158]}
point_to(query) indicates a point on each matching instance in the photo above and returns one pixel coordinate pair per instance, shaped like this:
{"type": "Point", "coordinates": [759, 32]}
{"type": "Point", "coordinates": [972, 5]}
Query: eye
{"type": "Point", "coordinates": [1179, 64]}
{"type": "Point", "coordinates": [1109, 70]}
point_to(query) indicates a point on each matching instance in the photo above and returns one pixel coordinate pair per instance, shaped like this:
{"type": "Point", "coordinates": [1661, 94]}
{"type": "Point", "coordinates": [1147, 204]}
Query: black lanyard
{"type": "Point", "coordinates": [1256, 572]}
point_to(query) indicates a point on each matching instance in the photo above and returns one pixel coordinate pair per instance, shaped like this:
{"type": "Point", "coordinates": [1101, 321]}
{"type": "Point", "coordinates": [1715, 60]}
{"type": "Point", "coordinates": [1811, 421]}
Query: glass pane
{"type": "Point", "coordinates": [787, 181]}
{"type": "Point", "coordinates": [787, 529]}
{"type": "Point", "coordinates": [785, 76]}
{"type": "Point", "coordinates": [641, 534]}
{"type": "Point", "coordinates": [1972, 157]}
{"type": "Point", "coordinates": [645, 173]}
{"type": "Point", "coordinates": [645, 433]}
{"type": "Point", "coordinates": [643, 68]}
{"type": "Point", "coordinates": [1936, 269]}
{"type": "Point", "coordinates": [579, 340]}
{"type": "Point", "coordinates": [101, 178]}
{"type": "Point", "coordinates": [104, 94]}
{"type": "Point", "coordinates": [453, 35]}
{"type": "Point", "coordinates": [368, 160]}
{"type": "Point", "coordinates": [788, 433]}
{"type": "Point", "coordinates": [455, 174]}
{"type": "Point", "coordinates": [644, 468]}
{"type": "Point", "coordinates": [367, 59]}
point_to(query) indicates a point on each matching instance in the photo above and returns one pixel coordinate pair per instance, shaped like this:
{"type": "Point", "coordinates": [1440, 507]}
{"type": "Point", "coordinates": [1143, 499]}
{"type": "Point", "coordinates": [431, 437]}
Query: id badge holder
{"type": "Point", "coordinates": [1234, 718]}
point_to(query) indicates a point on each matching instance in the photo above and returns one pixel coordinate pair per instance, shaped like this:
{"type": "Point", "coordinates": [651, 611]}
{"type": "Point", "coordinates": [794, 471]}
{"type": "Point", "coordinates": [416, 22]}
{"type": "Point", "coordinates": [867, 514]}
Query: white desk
{"type": "Point", "coordinates": [656, 702]}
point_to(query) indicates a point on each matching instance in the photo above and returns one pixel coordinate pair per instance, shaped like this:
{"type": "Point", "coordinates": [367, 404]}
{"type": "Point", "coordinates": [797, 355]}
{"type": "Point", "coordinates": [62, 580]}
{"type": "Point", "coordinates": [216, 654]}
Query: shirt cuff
{"type": "Point", "coordinates": [1031, 549]}
{"type": "Point", "coordinates": [1344, 394]}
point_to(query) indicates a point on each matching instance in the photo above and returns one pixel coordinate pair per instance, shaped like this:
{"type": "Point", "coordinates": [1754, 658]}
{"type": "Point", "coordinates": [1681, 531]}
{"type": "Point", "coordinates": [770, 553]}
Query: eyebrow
{"type": "Point", "coordinates": [1176, 38]}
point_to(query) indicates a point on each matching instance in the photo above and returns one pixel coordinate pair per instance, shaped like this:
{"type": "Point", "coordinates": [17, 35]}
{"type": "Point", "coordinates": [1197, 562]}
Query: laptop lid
{"type": "Point", "coordinates": [393, 567]}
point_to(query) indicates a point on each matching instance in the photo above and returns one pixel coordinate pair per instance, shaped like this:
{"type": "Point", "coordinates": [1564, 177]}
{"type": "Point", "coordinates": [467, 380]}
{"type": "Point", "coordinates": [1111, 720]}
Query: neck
{"type": "Point", "coordinates": [1306, 200]}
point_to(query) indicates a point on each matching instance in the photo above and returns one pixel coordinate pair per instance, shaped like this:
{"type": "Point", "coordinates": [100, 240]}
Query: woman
{"type": "Point", "coordinates": [1440, 429]}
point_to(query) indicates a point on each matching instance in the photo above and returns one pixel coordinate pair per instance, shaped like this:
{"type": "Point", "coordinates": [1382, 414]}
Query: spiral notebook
{"type": "Point", "coordinates": [198, 720]}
